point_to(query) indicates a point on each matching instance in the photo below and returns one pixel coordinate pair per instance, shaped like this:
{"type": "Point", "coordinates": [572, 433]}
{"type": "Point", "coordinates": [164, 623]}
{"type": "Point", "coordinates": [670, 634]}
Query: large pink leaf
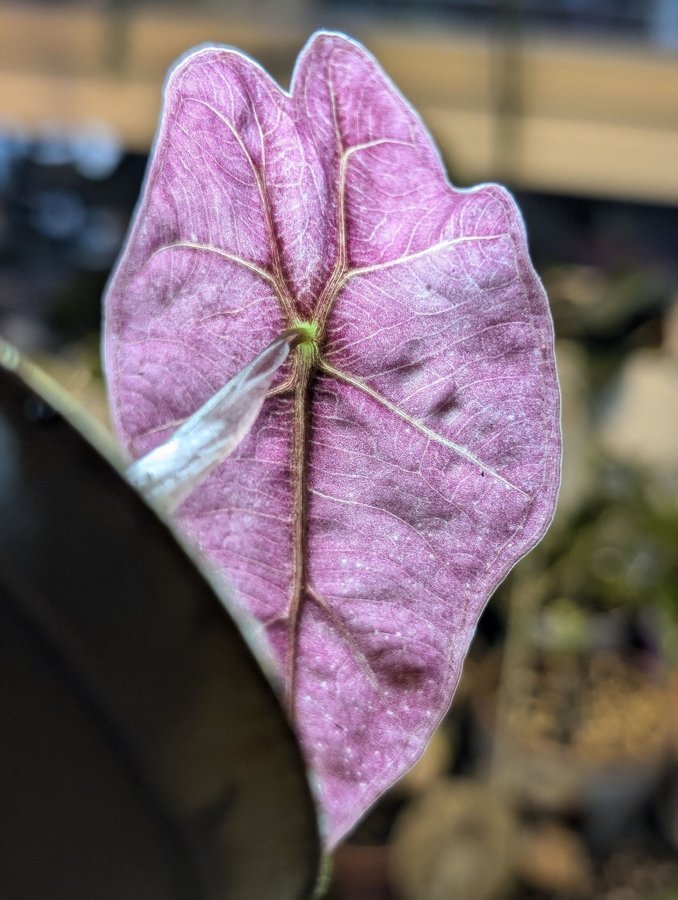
{"type": "Point", "coordinates": [413, 458]}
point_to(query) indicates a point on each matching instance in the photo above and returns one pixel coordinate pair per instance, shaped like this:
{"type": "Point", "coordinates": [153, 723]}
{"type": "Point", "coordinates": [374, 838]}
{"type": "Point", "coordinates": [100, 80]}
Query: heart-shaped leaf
{"type": "Point", "coordinates": [409, 456]}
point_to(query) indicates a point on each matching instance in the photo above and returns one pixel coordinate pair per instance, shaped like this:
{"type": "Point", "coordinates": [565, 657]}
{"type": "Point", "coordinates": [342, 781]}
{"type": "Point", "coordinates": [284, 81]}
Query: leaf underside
{"type": "Point", "coordinates": [409, 456]}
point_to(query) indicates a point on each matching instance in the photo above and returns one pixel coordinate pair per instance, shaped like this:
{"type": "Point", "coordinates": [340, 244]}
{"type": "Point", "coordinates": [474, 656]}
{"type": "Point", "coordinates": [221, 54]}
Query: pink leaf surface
{"type": "Point", "coordinates": [409, 456]}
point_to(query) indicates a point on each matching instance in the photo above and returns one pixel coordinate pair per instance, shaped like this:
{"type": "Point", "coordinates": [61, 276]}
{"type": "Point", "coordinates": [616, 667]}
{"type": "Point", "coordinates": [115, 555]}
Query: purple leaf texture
{"type": "Point", "coordinates": [408, 454]}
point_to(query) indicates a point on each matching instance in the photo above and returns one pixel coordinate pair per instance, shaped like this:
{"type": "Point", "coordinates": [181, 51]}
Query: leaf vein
{"type": "Point", "coordinates": [419, 426]}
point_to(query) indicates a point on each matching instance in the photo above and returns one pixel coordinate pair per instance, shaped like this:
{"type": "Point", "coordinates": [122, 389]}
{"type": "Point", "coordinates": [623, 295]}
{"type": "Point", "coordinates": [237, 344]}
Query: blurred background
{"type": "Point", "coordinates": [555, 775]}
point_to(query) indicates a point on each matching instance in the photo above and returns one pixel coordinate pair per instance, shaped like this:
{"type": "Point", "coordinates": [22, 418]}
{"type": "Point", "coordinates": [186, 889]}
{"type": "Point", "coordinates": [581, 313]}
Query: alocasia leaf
{"type": "Point", "coordinates": [410, 454]}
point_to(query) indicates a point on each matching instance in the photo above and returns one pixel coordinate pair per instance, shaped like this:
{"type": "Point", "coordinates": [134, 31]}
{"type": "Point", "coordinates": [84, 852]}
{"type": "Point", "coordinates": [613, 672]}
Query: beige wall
{"type": "Point", "coordinates": [583, 118]}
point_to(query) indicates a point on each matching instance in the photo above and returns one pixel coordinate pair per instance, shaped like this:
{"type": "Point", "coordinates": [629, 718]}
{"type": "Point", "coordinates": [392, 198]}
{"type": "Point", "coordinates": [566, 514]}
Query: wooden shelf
{"type": "Point", "coordinates": [585, 119]}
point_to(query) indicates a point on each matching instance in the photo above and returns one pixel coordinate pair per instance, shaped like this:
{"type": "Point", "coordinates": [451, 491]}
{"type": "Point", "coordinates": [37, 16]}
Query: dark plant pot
{"type": "Point", "coordinates": [144, 751]}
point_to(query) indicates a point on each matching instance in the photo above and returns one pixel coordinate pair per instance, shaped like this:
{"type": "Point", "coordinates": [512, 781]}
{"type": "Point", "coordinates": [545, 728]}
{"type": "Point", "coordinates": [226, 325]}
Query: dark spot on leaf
{"type": "Point", "coordinates": [444, 407]}
{"type": "Point", "coordinates": [406, 362]}
{"type": "Point", "coordinates": [409, 678]}
{"type": "Point", "coordinates": [405, 369]}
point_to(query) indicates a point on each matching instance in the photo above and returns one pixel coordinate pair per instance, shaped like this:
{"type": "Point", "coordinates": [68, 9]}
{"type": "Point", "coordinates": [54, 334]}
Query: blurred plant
{"type": "Point", "coordinates": [619, 551]}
